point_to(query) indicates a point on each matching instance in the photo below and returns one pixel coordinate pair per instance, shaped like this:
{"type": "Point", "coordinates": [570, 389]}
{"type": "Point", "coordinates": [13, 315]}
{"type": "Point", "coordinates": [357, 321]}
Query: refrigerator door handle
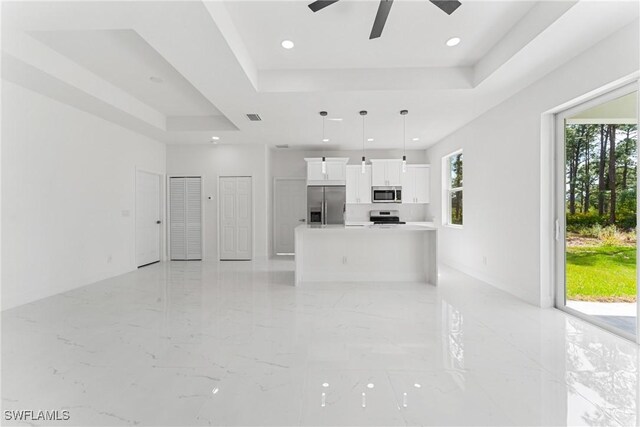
{"type": "Point", "coordinates": [324, 211]}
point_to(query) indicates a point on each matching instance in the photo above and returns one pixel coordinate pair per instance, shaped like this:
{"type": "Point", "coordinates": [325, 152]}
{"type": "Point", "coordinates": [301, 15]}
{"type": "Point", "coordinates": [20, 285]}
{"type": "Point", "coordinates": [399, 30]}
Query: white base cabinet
{"type": "Point", "coordinates": [366, 254]}
{"type": "Point", "coordinates": [416, 184]}
{"type": "Point", "coordinates": [358, 185]}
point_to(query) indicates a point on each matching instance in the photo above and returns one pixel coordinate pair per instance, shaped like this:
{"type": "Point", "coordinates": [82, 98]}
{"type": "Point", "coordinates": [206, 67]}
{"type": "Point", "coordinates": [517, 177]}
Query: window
{"type": "Point", "coordinates": [452, 186]}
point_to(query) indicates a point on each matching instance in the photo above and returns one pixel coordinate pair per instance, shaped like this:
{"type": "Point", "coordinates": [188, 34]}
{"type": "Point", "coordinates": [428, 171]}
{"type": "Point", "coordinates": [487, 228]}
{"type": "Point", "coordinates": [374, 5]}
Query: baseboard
{"type": "Point", "coordinates": [530, 299]}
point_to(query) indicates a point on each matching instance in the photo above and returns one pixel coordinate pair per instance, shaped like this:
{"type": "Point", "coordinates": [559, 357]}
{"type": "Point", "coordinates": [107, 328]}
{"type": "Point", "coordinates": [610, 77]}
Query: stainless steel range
{"type": "Point", "coordinates": [385, 217]}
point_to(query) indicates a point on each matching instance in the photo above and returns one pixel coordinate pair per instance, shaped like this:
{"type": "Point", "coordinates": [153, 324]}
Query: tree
{"type": "Point", "coordinates": [612, 174]}
{"type": "Point", "coordinates": [602, 185]}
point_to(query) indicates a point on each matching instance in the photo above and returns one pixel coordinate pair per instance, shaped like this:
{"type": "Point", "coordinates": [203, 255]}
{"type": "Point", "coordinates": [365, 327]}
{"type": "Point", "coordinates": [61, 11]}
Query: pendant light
{"type": "Point", "coordinates": [404, 139]}
{"type": "Point", "coordinates": [364, 160]}
{"type": "Point", "coordinates": [324, 159]}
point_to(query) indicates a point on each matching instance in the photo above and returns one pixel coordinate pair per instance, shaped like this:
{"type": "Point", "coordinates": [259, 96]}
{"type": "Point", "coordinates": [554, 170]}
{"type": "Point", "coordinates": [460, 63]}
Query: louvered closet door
{"type": "Point", "coordinates": [194, 218]}
{"type": "Point", "coordinates": [185, 198]}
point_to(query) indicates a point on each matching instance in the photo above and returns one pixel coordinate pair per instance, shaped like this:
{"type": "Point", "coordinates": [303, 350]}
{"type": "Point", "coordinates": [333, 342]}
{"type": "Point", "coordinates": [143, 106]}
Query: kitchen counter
{"type": "Point", "coordinates": [369, 227]}
{"type": "Point", "coordinates": [356, 253]}
{"type": "Point", "coordinates": [361, 223]}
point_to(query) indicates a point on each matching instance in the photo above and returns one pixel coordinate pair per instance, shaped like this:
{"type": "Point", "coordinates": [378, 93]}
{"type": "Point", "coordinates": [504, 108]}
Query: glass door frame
{"type": "Point", "coordinates": [559, 186]}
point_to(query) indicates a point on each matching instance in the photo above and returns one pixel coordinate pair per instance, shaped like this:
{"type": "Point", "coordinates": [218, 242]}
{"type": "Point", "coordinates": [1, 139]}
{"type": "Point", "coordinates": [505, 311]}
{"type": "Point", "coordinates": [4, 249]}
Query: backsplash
{"type": "Point", "coordinates": [408, 212]}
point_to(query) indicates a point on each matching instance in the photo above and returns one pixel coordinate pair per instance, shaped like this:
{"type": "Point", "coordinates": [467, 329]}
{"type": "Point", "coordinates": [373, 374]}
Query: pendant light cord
{"type": "Point", "coordinates": [363, 136]}
{"type": "Point", "coordinates": [323, 114]}
{"type": "Point", "coordinates": [404, 136]}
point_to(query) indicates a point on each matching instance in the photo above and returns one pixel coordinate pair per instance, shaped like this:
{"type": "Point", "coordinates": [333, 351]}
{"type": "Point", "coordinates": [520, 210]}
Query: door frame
{"type": "Point", "coordinates": [253, 216]}
{"type": "Point", "coordinates": [274, 233]}
{"type": "Point", "coordinates": [202, 211]}
{"type": "Point", "coordinates": [162, 210]}
{"type": "Point", "coordinates": [558, 233]}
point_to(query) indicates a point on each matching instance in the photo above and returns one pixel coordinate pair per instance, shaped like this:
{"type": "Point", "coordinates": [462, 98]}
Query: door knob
{"type": "Point", "coordinates": [158, 222]}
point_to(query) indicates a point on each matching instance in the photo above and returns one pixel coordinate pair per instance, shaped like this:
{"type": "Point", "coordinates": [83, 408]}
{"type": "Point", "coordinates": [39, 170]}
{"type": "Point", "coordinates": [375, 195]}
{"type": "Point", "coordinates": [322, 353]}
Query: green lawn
{"type": "Point", "coordinates": [601, 273]}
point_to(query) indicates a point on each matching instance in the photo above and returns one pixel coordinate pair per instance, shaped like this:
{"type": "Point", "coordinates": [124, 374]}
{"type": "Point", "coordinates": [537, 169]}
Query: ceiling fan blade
{"type": "Point", "coordinates": [321, 4]}
{"type": "Point", "coordinates": [447, 6]}
{"type": "Point", "coordinates": [381, 18]}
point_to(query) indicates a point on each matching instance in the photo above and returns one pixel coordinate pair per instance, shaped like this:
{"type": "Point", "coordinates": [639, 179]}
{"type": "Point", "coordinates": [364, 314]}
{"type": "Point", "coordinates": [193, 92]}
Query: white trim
{"type": "Point", "coordinates": [552, 203]}
{"type": "Point", "coordinates": [163, 213]}
{"type": "Point", "coordinates": [446, 191]}
{"type": "Point", "coordinates": [253, 215]}
{"type": "Point", "coordinates": [202, 211]}
{"type": "Point", "coordinates": [454, 226]}
{"type": "Point", "coordinates": [274, 243]}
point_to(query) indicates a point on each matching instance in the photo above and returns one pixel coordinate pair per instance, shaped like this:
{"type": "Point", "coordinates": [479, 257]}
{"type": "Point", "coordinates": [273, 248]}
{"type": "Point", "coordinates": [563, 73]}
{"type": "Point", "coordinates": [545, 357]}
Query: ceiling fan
{"type": "Point", "coordinates": [447, 6]}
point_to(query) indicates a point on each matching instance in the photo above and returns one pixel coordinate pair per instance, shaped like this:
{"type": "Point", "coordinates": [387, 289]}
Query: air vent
{"type": "Point", "coordinates": [254, 117]}
{"type": "Point", "coordinates": [282, 146]}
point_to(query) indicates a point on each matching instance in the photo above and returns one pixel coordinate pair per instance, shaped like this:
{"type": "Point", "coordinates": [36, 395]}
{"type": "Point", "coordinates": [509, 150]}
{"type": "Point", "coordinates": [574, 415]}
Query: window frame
{"type": "Point", "coordinates": [447, 190]}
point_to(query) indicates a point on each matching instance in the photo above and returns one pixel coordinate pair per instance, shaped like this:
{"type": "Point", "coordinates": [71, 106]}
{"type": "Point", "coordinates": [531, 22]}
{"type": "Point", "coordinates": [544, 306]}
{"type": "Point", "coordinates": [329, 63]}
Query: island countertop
{"type": "Point", "coordinates": [366, 227]}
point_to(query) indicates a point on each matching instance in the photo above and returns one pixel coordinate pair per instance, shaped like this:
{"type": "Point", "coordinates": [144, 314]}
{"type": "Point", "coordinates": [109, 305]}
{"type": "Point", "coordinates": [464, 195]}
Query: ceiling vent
{"type": "Point", "coordinates": [254, 117]}
{"type": "Point", "coordinates": [282, 146]}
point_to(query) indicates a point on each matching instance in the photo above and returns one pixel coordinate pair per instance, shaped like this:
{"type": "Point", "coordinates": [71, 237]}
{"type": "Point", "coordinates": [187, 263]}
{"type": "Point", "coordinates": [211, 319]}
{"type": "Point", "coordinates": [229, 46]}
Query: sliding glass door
{"type": "Point", "coordinates": [597, 183]}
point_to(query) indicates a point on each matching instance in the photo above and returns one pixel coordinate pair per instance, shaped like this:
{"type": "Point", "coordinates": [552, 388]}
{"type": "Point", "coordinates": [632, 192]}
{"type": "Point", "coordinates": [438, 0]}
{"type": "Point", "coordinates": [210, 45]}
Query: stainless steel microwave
{"type": "Point", "coordinates": [386, 194]}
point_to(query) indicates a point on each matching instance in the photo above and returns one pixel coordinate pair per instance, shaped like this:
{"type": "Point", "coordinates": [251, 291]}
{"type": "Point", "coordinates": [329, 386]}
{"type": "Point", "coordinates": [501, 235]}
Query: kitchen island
{"type": "Point", "coordinates": [368, 253]}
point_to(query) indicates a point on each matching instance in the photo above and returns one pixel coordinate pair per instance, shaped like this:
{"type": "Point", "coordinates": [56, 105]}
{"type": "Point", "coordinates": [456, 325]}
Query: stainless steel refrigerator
{"type": "Point", "coordinates": [326, 204]}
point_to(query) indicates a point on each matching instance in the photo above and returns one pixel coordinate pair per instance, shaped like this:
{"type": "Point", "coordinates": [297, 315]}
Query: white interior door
{"type": "Point", "coordinates": [148, 216]}
{"type": "Point", "coordinates": [236, 222]}
{"type": "Point", "coordinates": [185, 218]}
{"type": "Point", "coordinates": [290, 211]}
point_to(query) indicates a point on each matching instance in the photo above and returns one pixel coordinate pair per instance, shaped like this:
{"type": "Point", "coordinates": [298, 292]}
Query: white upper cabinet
{"type": "Point", "coordinates": [335, 171]}
{"type": "Point", "coordinates": [423, 183]}
{"type": "Point", "coordinates": [416, 184]}
{"type": "Point", "coordinates": [358, 185]}
{"type": "Point", "coordinates": [314, 171]}
{"type": "Point", "coordinates": [386, 172]}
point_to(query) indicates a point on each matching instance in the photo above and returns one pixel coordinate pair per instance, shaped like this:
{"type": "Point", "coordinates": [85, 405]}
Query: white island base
{"type": "Point", "coordinates": [398, 253]}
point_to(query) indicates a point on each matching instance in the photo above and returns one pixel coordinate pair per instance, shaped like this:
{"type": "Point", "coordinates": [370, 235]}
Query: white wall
{"type": "Point", "coordinates": [502, 172]}
{"type": "Point", "coordinates": [67, 177]}
{"type": "Point", "coordinates": [210, 162]}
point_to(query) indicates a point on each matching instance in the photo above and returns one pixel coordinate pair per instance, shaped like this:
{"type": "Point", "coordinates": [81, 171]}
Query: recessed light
{"type": "Point", "coordinates": [287, 44]}
{"type": "Point", "coordinates": [325, 385]}
{"type": "Point", "coordinates": [370, 385]}
{"type": "Point", "coordinates": [335, 119]}
{"type": "Point", "coordinates": [416, 385]}
{"type": "Point", "coordinates": [453, 41]}
{"type": "Point", "coordinates": [325, 140]}
{"type": "Point", "coordinates": [416, 139]}
{"type": "Point", "coordinates": [155, 79]}
{"type": "Point", "coordinates": [369, 139]}
{"type": "Point", "coordinates": [215, 138]}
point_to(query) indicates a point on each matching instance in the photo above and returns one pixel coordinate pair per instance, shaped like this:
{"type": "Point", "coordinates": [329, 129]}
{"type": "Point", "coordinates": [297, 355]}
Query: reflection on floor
{"type": "Point", "coordinates": [236, 344]}
{"type": "Point", "coordinates": [620, 315]}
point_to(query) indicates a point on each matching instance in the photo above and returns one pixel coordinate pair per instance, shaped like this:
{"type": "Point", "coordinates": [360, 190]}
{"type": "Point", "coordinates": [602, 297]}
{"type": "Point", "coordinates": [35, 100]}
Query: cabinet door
{"type": "Point", "coordinates": [352, 183]}
{"type": "Point", "coordinates": [422, 184]}
{"type": "Point", "coordinates": [409, 185]}
{"type": "Point", "coordinates": [314, 171]}
{"type": "Point", "coordinates": [379, 174]}
{"type": "Point", "coordinates": [364, 185]}
{"type": "Point", "coordinates": [335, 171]}
{"type": "Point", "coordinates": [394, 173]}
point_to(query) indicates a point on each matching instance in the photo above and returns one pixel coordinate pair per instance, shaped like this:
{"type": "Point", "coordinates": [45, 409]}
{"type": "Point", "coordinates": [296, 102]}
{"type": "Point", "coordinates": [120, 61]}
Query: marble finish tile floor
{"type": "Point", "coordinates": [190, 343]}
